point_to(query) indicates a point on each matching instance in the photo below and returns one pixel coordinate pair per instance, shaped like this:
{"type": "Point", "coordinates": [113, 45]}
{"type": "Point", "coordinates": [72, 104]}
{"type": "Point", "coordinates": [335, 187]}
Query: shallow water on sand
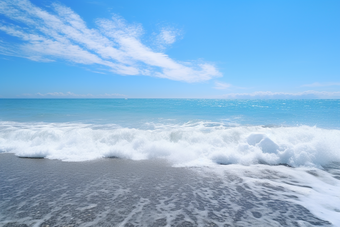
{"type": "Point", "coordinates": [117, 192]}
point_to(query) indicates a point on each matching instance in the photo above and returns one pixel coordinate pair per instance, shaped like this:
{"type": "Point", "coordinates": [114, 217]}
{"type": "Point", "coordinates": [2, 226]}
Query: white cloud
{"type": "Point", "coordinates": [167, 36]}
{"type": "Point", "coordinates": [316, 84]}
{"type": "Point", "coordinates": [284, 95]}
{"type": "Point", "coordinates": [116, 45]}
{"type": "Point", "coordinates": [71, 95]}
{"type": "Point", "coordinates": [221, 85]}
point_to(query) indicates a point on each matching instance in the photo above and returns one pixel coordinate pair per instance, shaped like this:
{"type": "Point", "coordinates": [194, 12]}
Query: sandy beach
{"type": "Point", "coordinates": [118, 192]}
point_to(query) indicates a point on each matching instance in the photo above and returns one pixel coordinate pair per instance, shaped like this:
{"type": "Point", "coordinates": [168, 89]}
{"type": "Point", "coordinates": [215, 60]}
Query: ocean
{"type": "Point", "coordinates": [169, 162]}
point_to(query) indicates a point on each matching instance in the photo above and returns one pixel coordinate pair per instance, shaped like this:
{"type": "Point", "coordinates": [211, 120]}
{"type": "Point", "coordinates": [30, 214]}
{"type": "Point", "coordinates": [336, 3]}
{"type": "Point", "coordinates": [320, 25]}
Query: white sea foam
{"type": "Point", "coordinates": [188, 144]}
{"type": "Point", "coordinates": [312, 188]}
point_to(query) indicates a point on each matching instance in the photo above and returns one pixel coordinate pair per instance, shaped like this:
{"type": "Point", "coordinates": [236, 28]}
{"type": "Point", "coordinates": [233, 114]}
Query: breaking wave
{"type": "Point", "coordinates": [193, 144]}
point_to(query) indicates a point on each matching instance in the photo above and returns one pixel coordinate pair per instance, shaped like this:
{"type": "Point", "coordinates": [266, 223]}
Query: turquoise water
{"type": "Point", "coordinates": [182, 131]}
{"type": "Point", "coordinates": [137, 112]}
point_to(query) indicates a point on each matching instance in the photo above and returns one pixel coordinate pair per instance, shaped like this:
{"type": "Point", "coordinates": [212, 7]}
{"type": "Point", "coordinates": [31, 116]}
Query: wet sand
{"type": "Point", "coordinates": [117, 192]}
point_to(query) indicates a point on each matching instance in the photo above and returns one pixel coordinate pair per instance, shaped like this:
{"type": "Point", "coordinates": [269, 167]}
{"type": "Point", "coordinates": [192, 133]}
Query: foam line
{"type": "Point", "coordinates": [188, 144]}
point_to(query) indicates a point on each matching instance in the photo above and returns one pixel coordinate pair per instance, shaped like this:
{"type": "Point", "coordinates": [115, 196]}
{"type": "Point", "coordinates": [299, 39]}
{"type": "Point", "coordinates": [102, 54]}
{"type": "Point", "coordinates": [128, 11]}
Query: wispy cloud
{"type": "Point", "coordinates": [167, 36]}
{"type": "Point", "coordinates": [284, 95]}
{"type": "Point", "coordinates": [60, 33]}
{"type": "Point", "coordinates": [221, 85]}
{"type": "Point", "coordinates": [71, 95]}
{"type": "Point", "coordinates": [316, 84]}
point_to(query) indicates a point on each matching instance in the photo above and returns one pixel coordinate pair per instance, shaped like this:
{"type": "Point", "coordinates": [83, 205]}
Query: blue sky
{"type": "Point", "coordinates": [169, 49]}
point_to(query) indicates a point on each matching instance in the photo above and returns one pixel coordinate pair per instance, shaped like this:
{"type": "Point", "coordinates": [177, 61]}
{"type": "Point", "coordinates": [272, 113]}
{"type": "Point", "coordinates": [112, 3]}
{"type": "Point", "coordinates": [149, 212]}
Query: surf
{"type": "Point", "coordinates": [189, 144]}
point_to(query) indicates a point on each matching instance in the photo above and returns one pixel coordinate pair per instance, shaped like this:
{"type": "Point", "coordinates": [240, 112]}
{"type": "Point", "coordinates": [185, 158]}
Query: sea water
{"type": "Point", "coordinates": [183, 131]}
{"type": "Point", "coordinates": [290, 146]}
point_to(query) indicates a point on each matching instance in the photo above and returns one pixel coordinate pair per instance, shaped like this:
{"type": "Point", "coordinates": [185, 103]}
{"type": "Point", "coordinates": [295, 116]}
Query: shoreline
{"type": "Point", "coordinates": [119, 192]}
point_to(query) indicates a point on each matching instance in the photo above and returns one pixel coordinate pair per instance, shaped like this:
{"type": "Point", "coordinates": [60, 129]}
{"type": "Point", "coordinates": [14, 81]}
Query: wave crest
{"type": "Point", "coordinates": [189, 144]}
